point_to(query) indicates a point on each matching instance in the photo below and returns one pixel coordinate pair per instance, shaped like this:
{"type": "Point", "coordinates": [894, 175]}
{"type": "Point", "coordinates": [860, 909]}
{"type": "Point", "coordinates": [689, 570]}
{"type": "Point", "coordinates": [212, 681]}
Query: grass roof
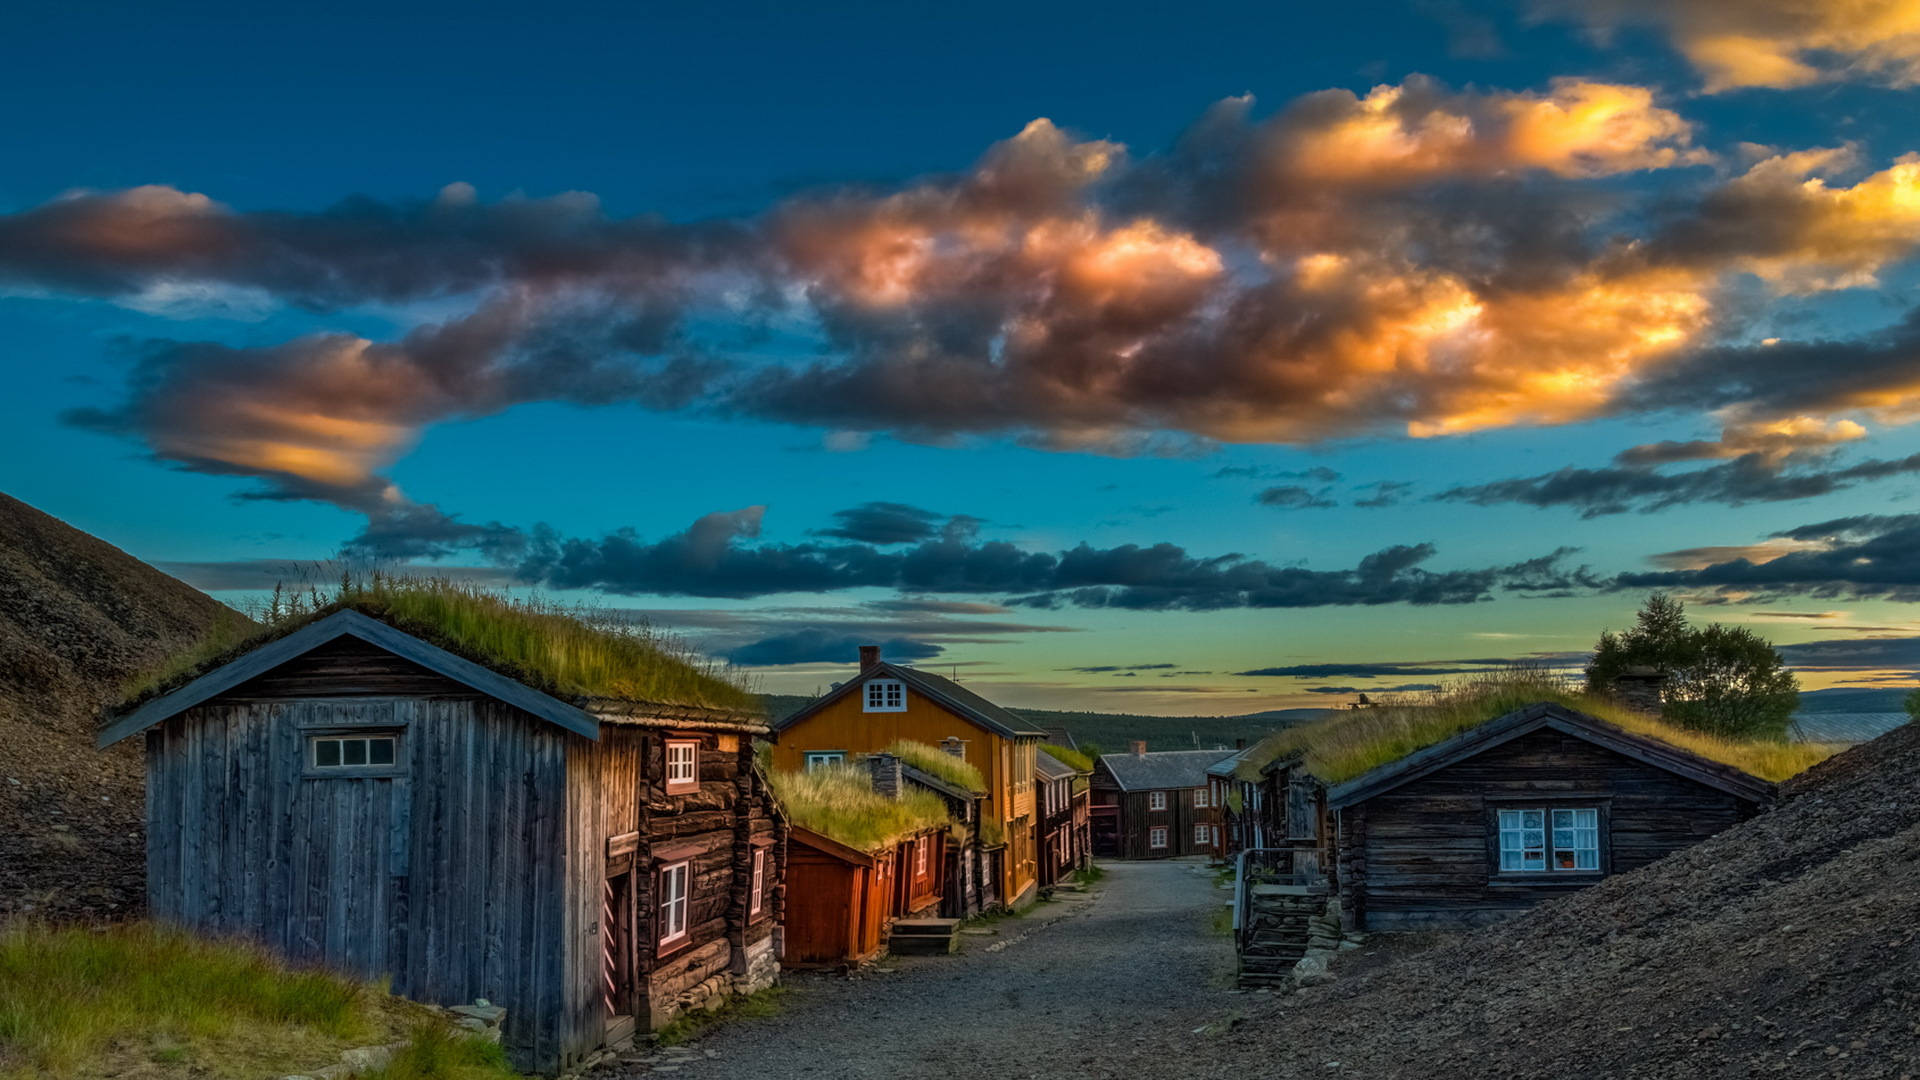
{"type": "Point", "coordinates": [1068, 756]}
{"type": "Point", "coordinates": [838, 802]}
{"type": "Point", "coordinates": [931, 759]}
{"type": "Point", "coordinates": [1349, 743]}
{"type": "Point", "coordinates": [570, 652]}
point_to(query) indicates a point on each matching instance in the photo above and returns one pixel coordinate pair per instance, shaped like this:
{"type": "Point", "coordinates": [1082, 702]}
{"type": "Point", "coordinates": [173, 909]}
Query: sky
{"type": "Point", "coordinates": [1125, 358]}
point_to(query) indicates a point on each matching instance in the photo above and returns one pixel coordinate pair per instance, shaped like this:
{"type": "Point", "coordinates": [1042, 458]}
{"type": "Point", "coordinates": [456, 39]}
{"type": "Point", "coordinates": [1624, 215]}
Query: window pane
{"type": "Point", "coordinates": [1589, 859]}
{"type": "Point", "coordinates": [1531, 819]}
{"type": "Point", "coordinates": [1587, 819]}
{"type": "Point", "coordinates": [326, 753]}
{"type": "Point", "coordinates": [1533, 838]}
{"type": "Point", "coordinates": [1563, 838]}
{"type": "Point", "coordinates": [380, 751]}
{"type": "Point", "coordinates": [1509, 819]}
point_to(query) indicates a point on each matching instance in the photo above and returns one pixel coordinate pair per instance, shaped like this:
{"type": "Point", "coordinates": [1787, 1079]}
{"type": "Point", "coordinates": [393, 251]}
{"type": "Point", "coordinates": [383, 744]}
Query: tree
{"type": "Point", "coordinates": [1912, 704]}
{"type": "Point", "coordinates": [1723, 680]}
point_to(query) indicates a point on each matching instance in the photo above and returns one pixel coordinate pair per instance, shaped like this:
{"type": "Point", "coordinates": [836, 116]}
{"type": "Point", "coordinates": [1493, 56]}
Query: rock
{"type": "Point", "coordinates": [490, 1015]}
{"type": "Point", "coordinates": [365, 1059]}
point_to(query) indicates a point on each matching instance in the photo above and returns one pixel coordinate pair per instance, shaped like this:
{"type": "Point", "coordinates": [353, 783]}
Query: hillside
{"type": "Point", "coordinates": [1786, 946]}
{"type": "Point", "coordinates": [78, 617]}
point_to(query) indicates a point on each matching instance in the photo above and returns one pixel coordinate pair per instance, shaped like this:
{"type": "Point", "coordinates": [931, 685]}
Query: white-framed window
{"type": "Point", "coordinates": [1157, 836]}
{"type": "Point", "coordinates": [1156, 800]}
{"type": "Point", "coordinates": [683, 766]}
{"type": "Point", "coordinates": [920, 847]}
{"type": "Point", "coordinates": [1199, 798]}
{"type": "Point", "coordinates": [673, 902]}
{"type": "Point", "coordinates": [1199, 834]}
{"type": "Point", "coordinates": [1528, 846]}
{"type": "Point", "coordinates": [886, 695]}
{"type": "Point", "coordinates": [820, 759]}
{"type": "Point", "coordinates": [756, 895]}
{"type": "Point", "coordinates": [369, 750]}
{"type": "Point", "coordinates": [1216, 836]}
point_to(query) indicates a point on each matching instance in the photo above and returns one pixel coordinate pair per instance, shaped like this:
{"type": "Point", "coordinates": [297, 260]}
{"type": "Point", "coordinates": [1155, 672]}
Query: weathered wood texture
{"type": "Point", "coordinates": [1424, 854]}
{"type": "Point", "coordinates": [1137, 820]}
{"type": "Point", "coordinates": [444, 875]}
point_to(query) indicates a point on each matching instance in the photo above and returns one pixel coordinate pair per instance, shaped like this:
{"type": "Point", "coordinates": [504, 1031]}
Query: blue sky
{"type": "Point", "coordinates": [1015, 397]}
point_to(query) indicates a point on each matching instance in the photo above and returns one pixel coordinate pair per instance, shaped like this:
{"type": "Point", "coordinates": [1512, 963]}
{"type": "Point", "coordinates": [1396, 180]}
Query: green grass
{"type": "Point", "coordinates": [1071, 758]}
{"type": "Point", "coordinates": [72, 998]}
{"type": "Point", "coordinates": [435, 1053]}
{"type": "Point", "coordinates": [932, 759]}
{"type": "Point", "coordinates": [1090, 875]}
{"type": "Point", "coordinates": [1353, 742]}
{"type": "Point", "coordinates": [839, 802]}
{"type": "Point", "coordinates": [689, 1026]}
{"type": "Point", "coordinates": [566, 651]}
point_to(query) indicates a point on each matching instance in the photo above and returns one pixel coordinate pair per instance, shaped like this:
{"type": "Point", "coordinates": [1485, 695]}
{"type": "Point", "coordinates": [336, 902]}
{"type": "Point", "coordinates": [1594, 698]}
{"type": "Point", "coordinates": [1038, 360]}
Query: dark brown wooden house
{"type": "Point", "coordinates": [361, 797]}
{"type": "Point", "coordinates": [1153, 805]}
{"type": "Point", "coordinates": [1517, 810]}
{"type": "Point", "coordinates": [1062, 818]}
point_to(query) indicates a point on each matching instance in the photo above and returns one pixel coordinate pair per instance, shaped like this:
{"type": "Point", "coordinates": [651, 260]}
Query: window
{"type": "Point", "coordinates": [1157, 800]}
{"type": "Point", "coordinates": [1199, 834]}
{"type": "Point", "coordinates": [886, 695]}
{"type": "Point", "coordinates": [683, 766]}
{"type": "Point", "coordinates": [1157, 836]}
{"type": "Point", "coordinates": [1524, 836]}
{"type": "Point", "coordinates": [757, 894]}
{"type": "Point", "coordinates": [820, 759]}
{"type": "Point", "coordinates": [920, 857]}
{"type": "Point", "coordinates": [673, 902]}
{"type": "Point", "coordinates": [1216, 836]}
{"type": "Point", "coordinates": [378, 751]}
{"type": "Point", "coordinates": [1199, 798]}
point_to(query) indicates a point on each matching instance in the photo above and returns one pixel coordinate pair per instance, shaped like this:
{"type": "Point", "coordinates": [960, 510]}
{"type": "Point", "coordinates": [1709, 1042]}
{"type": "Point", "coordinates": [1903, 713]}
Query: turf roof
{"type": "Point", "coordinates": [568, 653]}
{"type": "Point", "coordinates": [839, 803]}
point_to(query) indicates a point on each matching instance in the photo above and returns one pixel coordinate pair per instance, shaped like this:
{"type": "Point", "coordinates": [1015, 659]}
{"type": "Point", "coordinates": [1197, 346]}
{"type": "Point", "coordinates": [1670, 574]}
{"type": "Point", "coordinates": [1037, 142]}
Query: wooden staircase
{"type": "Point", "coordinates": [1274, 930]}
{"type": "Point", "coordinates": [923, 937]}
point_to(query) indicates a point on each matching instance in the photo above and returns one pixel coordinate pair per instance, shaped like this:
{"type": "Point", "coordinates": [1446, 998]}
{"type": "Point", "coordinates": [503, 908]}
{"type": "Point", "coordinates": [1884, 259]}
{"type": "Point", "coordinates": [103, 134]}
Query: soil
{"type": "Point", "coordinates": [78, 617]}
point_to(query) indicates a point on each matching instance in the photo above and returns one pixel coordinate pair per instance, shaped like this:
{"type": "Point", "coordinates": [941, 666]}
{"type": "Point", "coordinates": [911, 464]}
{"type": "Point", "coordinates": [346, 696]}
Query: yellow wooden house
{"type": "Point", "coordinates": [886, 702]}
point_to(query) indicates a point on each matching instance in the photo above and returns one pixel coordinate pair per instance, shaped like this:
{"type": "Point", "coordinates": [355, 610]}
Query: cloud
{"type": "Point", "coordinates": [1377, 671]}
{"type": "Point", "coordinates": [1403, 688]}
{"type": "Point", "coordinates": [1854, 654]}
{"type": "Point", "coordinates": [1294, 497]}
{"type": "Point", "coordinates": [1385, 493]}
{"type": "Point", "coordinates": [1780, 44]}
{"type": "Point", "coordinates": [810, 646]}
{"type": "Point", "coordinates": [882, 523]}
{"type": "Point", "coordinates": [1318, 473]}
{"type": "Point", "coordinates": [1865, 556]}
{"type": "Point", "coordinates": [1108, 669]}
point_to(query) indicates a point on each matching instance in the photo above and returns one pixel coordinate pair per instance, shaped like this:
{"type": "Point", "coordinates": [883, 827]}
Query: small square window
{"type": "Point", "coordinates": [1157, 837]}
{"type": "Point", "coordinates": [1534, 841]}
{"type": "Point", "coordinates": [821, 759]}
{"type": "Point", "coordinates": [673, 902]}
{"type": "Point", "coordinates": [886, 695]}
{"type": "Point", "coordinates": [683, 766]}
{"type": "Point", "coordinates": [1199, 798]}
{"type": "Point", "coordinates": [1199, 834]}
{"type": "Point", "coordinates": [1157, 800]}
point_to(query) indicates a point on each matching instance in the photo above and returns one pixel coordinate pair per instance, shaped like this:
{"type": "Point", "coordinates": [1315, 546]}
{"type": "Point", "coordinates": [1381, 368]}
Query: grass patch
{"type": "Point", "coordinates": [141, 999]}
{"type": "Point", "coordinates": [839, 802]}
{"type": "Point", "coordinates": [937, 762]}
{"type": "Point", "coordinates": [689, 1026]}
{"type": "Point", "coordinates": [1069, 757]}
{"type": "Point", "coordinates": [566, 651]}
{"type": "Point", "coordinates": [1219, 922]}
{"type": "Point", "coordinates": [436, 1053]}
{"type": "Point", "coordinates": [1091, 874]}
{"type": "Point", "coordinates": [1350, 743]}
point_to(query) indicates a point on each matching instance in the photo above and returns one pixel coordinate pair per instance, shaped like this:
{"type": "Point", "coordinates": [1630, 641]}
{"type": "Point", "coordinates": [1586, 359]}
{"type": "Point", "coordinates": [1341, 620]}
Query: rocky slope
{"type": "Point", "coordinates": [1787, 946]}
{"type": "Point", "coordinates": [77, 617]}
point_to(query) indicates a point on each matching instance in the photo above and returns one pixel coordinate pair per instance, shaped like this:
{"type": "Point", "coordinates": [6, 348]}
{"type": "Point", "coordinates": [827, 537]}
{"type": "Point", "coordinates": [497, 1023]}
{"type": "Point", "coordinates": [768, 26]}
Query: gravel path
{"type": "Point", "coordinates": [1082, 988]}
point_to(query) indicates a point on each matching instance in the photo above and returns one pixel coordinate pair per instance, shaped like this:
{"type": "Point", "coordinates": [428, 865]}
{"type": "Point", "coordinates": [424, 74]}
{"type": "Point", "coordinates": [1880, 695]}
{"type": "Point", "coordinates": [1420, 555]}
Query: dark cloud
{"type": "Point", "coordinates": [1106, 669]}
{"type": "Point", "coordinates": [1379, 671]}
{"type": "Point", "coordinates": [812, 646]}
{"type": "Point", "coordinates": [1294, 497]}
{"type": "Point", "coordinates": [1403, 688]}
{"type": "Point", "coordinates": [1318, 473]}
{"type": "Point", "coordinates": [261, 575]}
{"type": "Point", "coordinates": [1846, 654]}
{"type": "Point", "coordinates": [883, 523]}
{"type": "Point", "coordinates": [1866, 556]}
{"type": "Point", "coordinates": [1385, 493]}
{"type": "Point", "coordinates": [1615, 490]}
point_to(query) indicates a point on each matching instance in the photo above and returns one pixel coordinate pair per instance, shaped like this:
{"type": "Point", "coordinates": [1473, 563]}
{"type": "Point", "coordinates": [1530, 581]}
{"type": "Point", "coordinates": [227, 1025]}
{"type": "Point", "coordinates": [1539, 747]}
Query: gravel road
{"type": "Point", "coordinates": [1079, 988]}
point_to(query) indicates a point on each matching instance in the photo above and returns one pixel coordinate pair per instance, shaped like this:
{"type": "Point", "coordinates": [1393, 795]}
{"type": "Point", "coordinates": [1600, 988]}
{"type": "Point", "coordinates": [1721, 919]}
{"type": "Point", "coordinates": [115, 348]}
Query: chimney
{"type": "Point", "coordinates": [886, 774]}
{"type": "Point", "coordinates": [1640, 688]}
{"type": "Point", "coordinates": [869, 657]}
{"type": "Point", "coordinates": [1139, 748]}
{"type": "Point", "coordinates": [1239, 744]}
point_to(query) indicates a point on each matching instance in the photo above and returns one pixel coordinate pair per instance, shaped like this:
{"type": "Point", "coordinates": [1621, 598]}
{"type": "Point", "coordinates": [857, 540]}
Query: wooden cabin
{"type": "Point", "coordinates": [1062, 843]}
{"type": "Point", "coordinates": [367, 798]}
{"type": "Point", "coordinates": [1496, 819]}
{"type": "Point", "coordinates": [967, 857]}
{"type": "Point", "coordinates": [884, 702]}
{"type": "Point", "coordinates": [1153, 805]}
{"type": "Point", "coordinates": [843, 898]}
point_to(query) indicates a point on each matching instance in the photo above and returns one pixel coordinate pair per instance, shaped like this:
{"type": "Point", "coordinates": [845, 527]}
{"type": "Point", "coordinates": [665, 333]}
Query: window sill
{"type": "Point", "coordinates": [1585, 877]}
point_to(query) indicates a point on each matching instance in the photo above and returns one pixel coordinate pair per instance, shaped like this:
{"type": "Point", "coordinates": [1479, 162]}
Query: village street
{"type": "Point", "coordinates": [1081, 988]}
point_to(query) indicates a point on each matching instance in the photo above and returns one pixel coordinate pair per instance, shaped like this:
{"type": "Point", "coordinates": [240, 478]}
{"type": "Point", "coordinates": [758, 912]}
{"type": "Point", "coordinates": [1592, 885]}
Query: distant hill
{"type": "Point", "coordinates": [1113, 731]}
{"type": "Point", "coordinates": [1848, 700]}
{"type": "Point", "coordinates": [78, 616]}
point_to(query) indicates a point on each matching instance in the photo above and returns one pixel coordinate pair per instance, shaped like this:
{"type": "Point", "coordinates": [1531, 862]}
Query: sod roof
{"type": "Point", "coordinates": [839, 803]}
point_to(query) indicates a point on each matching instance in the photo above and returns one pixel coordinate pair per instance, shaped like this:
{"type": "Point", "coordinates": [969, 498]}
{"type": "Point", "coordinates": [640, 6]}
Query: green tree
{"type": "Point", "coordinates": [1913, 705]}
{"type": "Point", "coordinates": [1724, 680]}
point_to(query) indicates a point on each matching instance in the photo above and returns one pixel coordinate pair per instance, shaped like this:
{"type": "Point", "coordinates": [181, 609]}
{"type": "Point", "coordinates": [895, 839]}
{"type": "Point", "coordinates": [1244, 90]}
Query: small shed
{"type": "Point", "coordinates": [390, 797]}
{"type": "Point", "coordinates": [843, 898]}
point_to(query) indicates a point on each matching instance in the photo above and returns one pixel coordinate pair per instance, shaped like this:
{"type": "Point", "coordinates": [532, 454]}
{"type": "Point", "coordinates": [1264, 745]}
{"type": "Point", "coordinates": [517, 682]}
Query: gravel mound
{"type": "Point", "coordinates": [1786, 946]}
{"type": "Point", "coordinates": [78, 616]}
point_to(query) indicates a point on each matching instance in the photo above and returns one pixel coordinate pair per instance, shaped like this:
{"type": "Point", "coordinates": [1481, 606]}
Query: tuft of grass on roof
{"type": "Point", "coordinates": [1356, 741]}
{"type": "Point", "coordinates": [838, 802]}
{"type": "Point", "coordinates": [568, 651]}
{"type": "Point", "coordinates": [1069, 757]}
{"type": "Point", "coordinates": [935, 761]}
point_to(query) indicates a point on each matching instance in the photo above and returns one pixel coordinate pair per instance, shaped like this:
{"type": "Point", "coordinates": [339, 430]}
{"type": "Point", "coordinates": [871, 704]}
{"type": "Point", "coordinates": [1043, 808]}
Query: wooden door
{"type": "Point", "coordinates": [347, 848]}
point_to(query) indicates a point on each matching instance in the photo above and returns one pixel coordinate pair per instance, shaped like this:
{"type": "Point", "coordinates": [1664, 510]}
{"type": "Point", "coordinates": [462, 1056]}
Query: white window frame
{"type": "Point", "coordinates": [920, 847]}
{"type": "Point", "coordinates": [1156, 800]}
{"type": "Point", "coordinates": [683, 772]}
{"type": "Point", "coordinates": [1579, 836]}
{"type": "Point", "coordinates": [884, 695]}
{"type": "Point", "coordinates": [1157, 838]}
{"type": "Point", "coordinates": [673, 908]}
{"type": "Point", "coordinates": [1199, 798]}
{"type": "Point", "coordinates": [757, 893]}
{"type": "Point", "coordinates": [822, 759]}
{"type": "Point", "coordinates": [1200, 834]}
{"type": "Point", "coordinates": [366, 740]}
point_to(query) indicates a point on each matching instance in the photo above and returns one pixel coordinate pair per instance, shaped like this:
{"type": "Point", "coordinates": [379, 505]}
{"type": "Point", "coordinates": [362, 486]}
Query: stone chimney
{"type": "Point", "coordinates": [1139, 747]}
{"type": "Point", "coordinates": [1639, 688]}
{"type": "Point", "coordinates": [886, 774]}
{"type": "Point", "coordinates": [1239, 744]}
{"type": "Point", "coordinates": [869, 657]}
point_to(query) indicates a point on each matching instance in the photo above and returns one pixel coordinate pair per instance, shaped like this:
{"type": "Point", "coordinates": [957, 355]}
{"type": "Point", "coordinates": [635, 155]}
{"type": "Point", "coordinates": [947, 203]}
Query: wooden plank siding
{"type": "Point", "coordinates": [1424, 854]}
{"type": "Point", "coordinates": [1137, 821]}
